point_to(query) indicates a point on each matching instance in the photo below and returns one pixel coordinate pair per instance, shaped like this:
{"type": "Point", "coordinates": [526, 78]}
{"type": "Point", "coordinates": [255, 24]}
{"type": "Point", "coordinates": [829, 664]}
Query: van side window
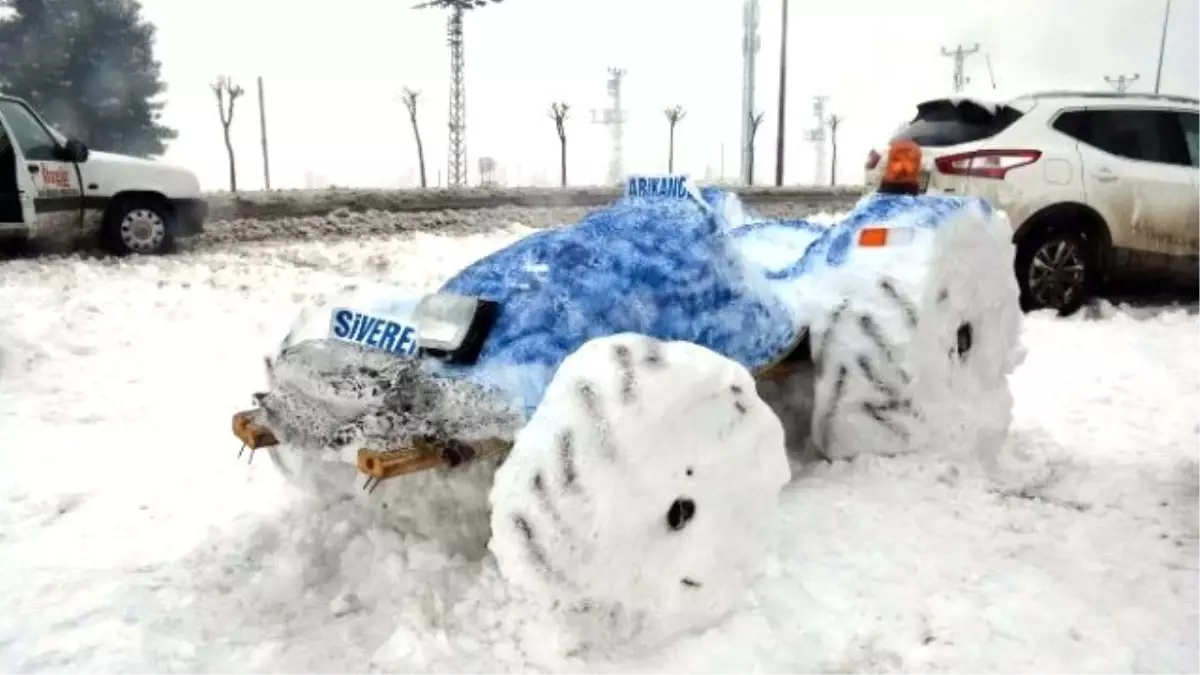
{"type": "Point", "coordinates": [35, 142]}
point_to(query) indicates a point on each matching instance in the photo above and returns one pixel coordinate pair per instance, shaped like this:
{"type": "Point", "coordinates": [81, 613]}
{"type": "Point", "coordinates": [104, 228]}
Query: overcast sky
{"type": "Point", "coordinates": [333, 71]}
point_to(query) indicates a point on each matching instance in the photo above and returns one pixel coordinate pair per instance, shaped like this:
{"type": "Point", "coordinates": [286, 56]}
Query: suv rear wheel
{"type": "Point", "coordinates": [1056, 269]}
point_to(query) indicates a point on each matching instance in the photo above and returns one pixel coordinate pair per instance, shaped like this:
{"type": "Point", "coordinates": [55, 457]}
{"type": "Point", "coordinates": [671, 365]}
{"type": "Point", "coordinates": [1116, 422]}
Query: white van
{"type": "Point", "coordinates": [52, 187]}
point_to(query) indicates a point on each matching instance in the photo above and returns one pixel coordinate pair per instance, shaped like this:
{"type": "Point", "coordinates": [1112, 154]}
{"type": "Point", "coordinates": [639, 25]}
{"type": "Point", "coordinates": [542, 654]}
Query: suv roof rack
{"type": "Point", "coordinates": [1059, 93]}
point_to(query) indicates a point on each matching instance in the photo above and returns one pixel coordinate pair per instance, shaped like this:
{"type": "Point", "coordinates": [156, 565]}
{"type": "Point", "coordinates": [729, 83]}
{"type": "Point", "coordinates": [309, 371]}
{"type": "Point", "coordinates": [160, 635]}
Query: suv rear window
{"type": "Point", "coordinates": [944, 122]}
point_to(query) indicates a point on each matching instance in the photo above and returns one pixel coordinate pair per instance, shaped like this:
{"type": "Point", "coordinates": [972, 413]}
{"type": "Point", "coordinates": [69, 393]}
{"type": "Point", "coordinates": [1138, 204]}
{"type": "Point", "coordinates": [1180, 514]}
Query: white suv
{"type": "Point", "coordinates": [1097, 185]}
{"type": "Point", "coordinates": [54, 189]}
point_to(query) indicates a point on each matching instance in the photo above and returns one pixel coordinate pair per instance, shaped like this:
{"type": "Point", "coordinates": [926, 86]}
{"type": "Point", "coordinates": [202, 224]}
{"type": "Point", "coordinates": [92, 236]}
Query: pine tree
{"type": "Point", "coordinates": [87, 67]}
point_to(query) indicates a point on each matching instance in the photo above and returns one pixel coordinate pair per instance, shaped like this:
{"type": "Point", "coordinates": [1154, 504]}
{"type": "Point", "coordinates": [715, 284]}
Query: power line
{"type": "Point", "coordinates": [1121, 82]}
{"type": "Point", "coordinates": [960, 56]}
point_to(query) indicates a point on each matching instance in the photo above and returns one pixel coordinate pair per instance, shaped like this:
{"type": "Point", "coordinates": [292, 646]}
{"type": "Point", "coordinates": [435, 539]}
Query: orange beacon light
{"type": "Point", "coordinates": [902, 169]}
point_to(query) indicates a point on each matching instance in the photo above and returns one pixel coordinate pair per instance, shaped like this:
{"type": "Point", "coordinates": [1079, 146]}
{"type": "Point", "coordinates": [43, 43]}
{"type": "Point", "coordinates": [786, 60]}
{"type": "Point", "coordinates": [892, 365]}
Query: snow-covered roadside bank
{"type": "Point", "coordinates": [269, 205]}
{"type": "Point", "coordinates": [131, 539]}
{"type": "Point", "coordinates": [344, 223]}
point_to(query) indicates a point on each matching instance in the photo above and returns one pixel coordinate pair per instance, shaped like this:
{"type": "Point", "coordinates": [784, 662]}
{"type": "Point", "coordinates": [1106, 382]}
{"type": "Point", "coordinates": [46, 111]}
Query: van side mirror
{"type": "Point", "coordinates": [75, 151]}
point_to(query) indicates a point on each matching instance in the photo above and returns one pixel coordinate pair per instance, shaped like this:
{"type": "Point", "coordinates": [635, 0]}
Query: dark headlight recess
{"type": "Point", "coordinates": [454, 327]}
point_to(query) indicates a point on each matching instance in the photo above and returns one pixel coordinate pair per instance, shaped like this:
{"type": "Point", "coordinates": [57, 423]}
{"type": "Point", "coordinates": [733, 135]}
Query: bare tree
{"type": "Point", "coordinates": [558, 113]}
{"type": "Point", "coordinates": [227, 95]}
{"type": "Point", "coordinates": [674, 115]}
{"type": "Point", "coordinates": [755, 121]}
{"type": "Point", "coordinates": [834, 121]}
{"type": "Point", "coordinates": [409, 97]}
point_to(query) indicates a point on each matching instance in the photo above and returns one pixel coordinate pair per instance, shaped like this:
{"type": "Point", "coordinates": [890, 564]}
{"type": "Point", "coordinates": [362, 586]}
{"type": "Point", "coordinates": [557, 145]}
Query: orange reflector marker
{"type": "Point", "coordinates": [878, 237]}
{"type": "Point", "coordinates": [873, 236]}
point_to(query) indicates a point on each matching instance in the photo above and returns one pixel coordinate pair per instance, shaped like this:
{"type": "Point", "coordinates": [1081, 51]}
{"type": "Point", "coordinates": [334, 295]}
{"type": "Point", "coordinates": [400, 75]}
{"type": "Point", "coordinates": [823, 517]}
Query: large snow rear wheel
{"type": "Point", "coordinates": [642, 493]}
{"type": "Point", "coordinates": [915, 352]}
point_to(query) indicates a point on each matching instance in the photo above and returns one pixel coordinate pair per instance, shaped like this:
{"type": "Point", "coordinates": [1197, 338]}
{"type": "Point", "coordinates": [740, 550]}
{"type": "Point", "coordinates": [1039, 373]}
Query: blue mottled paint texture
{"type": "Point", "coordinates": [668, 268]}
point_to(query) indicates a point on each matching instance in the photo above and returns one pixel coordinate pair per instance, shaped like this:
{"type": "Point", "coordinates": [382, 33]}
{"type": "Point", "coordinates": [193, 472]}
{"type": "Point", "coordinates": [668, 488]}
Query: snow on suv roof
{"type": "Point", "coordinates": [1131, 97]}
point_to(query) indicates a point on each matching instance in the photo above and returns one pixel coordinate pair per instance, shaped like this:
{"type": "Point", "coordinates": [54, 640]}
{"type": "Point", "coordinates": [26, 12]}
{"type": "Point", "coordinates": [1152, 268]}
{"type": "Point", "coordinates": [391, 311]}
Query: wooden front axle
{"type": "Point", "coordinates": [380, 465]}
{"type": "Point", "coordinates": [250, 432]}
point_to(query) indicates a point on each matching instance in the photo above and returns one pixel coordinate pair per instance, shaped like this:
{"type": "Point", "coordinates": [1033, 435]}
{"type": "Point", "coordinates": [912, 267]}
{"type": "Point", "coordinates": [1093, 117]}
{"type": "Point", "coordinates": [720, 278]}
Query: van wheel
{"type": "Point", "coordinates": [140, 225]}
{"type": "Point", "coordinates": [1056, 269]}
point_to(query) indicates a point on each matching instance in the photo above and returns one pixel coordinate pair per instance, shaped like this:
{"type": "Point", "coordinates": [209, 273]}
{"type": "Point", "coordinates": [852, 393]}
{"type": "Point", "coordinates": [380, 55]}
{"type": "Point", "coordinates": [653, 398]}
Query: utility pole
{"type": "Point", "coordinates": [782, 96]}
{"type": "Point", "coordinates": [614, 118]}
{"type": "Point", "coordinates": [834, 122]}
{"type": "Point", "coordinates": [1121, 82]}
{"type": "Point", "coordinates": [262, 125]}
{"type": "Point", "coordinates": [457, 155]}
{"type": "Point", "coordinates": [1162, 47]}
{"type": "Point", "coordinates": [750, 46]}
{"type": "Point", "coordinates": [816, 136]}
{"type": "Point", "coordinates": [960, 56]}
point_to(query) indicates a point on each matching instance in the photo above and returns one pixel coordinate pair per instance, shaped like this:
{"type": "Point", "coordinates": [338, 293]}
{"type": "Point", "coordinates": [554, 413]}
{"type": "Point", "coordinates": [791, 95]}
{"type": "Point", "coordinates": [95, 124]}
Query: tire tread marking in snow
{"type": "Point", "coordinates": [654, 355]}
{"type": "Point", "coordinates": [591, 405]}
{"type": "Point", "coordinates": [835, 317]}
{"type": "Point", "coordinates": [878, 412]}
{"type": "Point", "coordinates": [536, 553]}
{"type": "Point", "coordinates": [539, 489]}
{"type": "Point", "coordinates": [894, 403]}
{"type": "Point", "coordinates": [910, 311]}
{"type": "Point", "coordinates": [825, 428]}
{"type": "Point", "coordinates": [876, 380]}
{"type": "Point", "coordinates": [874, 333]}
{"type": "Point", "coordinates": [737, 401]}
{"type": "Point", "coordinates": [624, 358]}
{"type": "Point", "coordinates": [566, 453]}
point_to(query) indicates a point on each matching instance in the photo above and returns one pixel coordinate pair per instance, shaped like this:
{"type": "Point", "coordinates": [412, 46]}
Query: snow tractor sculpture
{"type": "Point", "coordinates": [641, 377]}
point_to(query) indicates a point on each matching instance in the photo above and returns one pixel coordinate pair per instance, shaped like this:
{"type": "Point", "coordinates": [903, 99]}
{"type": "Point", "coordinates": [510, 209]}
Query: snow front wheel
{"type": "Point", "coordinates": [642, 493]}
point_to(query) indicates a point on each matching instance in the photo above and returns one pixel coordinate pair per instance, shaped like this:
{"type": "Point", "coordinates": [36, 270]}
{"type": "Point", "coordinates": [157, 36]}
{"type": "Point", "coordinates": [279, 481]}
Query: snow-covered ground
{"type": "Point", "coordinates": [132, 540]}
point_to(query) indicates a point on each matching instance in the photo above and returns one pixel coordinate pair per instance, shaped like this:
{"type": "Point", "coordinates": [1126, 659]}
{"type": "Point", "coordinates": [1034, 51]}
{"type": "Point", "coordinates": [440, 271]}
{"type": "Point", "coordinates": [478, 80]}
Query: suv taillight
{"type": "Point", "coordinates": [872, 160]}
{"type": "Point", "coordinates": [986, 163]}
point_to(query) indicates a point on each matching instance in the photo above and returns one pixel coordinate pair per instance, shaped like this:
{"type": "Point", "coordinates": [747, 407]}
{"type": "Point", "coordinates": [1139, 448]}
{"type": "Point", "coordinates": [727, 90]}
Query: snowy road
{"type": "Point", "coordinates": [131, 539]}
